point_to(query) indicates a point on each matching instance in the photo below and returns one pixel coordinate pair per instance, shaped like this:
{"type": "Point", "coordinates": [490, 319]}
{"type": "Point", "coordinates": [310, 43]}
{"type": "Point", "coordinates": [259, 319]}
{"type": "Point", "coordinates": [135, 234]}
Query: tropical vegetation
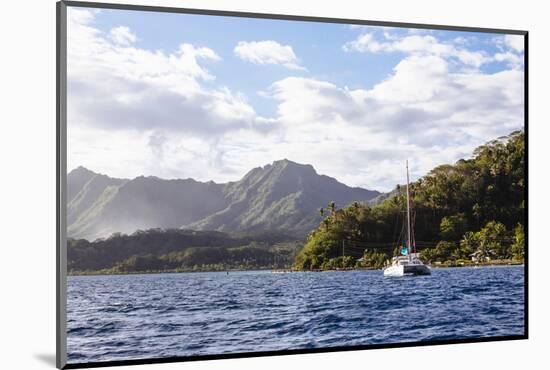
{"type": "Point", "coordinates": [159, 250]}
{"type": "Point", "coordinates": [473, 210]}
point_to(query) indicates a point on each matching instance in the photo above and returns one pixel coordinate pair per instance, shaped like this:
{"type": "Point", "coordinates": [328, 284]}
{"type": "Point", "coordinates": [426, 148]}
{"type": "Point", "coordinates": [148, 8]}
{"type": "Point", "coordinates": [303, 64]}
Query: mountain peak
{"type": "Point", "coordinates": [81, 170]}
{"type": "Point", "coordinates": [282, 162]}
{"type": "Point", "coordinates": [287, 163]}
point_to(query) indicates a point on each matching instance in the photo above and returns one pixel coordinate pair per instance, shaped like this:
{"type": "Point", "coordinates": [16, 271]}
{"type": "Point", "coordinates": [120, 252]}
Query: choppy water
{"type": "Point", "coordinates": [164, 315]}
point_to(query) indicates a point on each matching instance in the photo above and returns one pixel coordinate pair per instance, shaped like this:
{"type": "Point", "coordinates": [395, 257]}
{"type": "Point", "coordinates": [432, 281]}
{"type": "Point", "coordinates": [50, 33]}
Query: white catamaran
{"type": "Point", "coordinates": [409, 262]}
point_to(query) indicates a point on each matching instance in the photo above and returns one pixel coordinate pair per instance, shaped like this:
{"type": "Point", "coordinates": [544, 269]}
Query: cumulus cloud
{"type": "Point", "coordinates": [423, 111]}
{"type": "Point", "coordinates": [114, 86]}
{"type": "Point", "coordinates": [133, 111]}
{"type": "Point", "coordinates": [268, 52]}
{"type": "Point", "coordinates": [513, 59]}
{"type": "Point", "coordinates": [122, 35]}
{"type": "Point", "coordinates": [417, 45]}
{"type": "Point", "coordinates": [515, 42]}
{"type": "Point", "coordinates": [420, 43]}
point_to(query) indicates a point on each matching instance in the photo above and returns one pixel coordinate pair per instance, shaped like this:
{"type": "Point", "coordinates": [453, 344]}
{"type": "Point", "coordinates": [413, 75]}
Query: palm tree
{"type": "Point", "coordinates": [484, 252]}
{"type": "Point", "coordinates": [332, 207]}
{"type": "Point", "coordinates": [468, 244]}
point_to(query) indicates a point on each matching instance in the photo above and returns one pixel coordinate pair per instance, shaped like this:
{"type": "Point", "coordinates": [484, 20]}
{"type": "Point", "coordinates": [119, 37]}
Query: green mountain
{"type": "Point", "coordinates": [76, 180]}
{"type": "Point", "coordinates": [473, 208]}
{"type": "Point", "coordinates": [282, 196]}
{"type": "Point", "coordinates": [84, 190]}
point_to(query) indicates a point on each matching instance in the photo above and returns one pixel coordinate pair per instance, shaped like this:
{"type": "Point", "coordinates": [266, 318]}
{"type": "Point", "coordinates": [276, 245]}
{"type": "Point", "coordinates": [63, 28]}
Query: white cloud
{"type": "Point", "coordinates": [134, 111]}
{"type": "Point", "coordinates": [161, 106]}
{"type": "Point", "coordinates": [121, 86]}
{"type": "Point", "coordinates": [512, 59]}
{"type": "Point", "coordinates": [460, 40]}
{"type": "Point", "coordinates": [423, 112]}
{"type": "Point", "coordinates": [122, 35]}
{"type": "Point", "coordinates": [415, 79]}
{"type": "Point", "coordinates": [268, 52]}
{"type": "Point", "coordinates": [511, 50]}
{"type": "Point", "coordinates": [422, 44]}
{"type": "Point", "coordinates": [515, 42]}
{"type": "Point", "coordinates": [417, 45]}
{"type": "Point", "coordinates": [365, 43]}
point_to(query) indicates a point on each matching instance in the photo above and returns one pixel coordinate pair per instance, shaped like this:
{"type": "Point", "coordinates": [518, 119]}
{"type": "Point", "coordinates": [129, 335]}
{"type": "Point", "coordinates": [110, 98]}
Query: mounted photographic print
{"type": "Point", "coordinates": [235, 184]}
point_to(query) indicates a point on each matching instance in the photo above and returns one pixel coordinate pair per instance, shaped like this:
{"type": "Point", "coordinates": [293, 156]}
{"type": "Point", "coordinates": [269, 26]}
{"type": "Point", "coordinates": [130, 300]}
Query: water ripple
{"type": "Point", "coordinates": [162, 315]}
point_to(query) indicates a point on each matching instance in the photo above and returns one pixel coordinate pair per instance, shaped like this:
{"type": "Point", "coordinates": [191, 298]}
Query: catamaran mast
{"type": "Point", "coordinates": [408, 214]}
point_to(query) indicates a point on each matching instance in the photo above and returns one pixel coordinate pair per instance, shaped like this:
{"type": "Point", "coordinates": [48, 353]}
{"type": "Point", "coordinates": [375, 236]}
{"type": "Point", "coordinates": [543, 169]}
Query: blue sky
{"type": "Point", "coordinates": [293, 87]}
{"type": "Point", "coordinates": [318, 45]}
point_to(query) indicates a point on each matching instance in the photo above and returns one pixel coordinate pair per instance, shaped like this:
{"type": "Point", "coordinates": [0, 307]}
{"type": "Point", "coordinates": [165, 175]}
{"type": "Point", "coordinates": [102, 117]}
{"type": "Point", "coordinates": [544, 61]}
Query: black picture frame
{"type": "Point", "coordinates": [61, 176]}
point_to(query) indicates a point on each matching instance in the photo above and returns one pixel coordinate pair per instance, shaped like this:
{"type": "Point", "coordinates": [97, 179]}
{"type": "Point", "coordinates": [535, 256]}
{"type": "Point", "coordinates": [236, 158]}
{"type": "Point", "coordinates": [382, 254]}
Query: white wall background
{"type": "Point", "coordinates": [27, 181]}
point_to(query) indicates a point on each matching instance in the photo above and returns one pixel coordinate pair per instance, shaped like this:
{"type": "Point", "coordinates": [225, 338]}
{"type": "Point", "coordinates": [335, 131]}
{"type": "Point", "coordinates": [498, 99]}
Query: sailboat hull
{"type": "Point", "coordinates": [394, 271]}
{"type": "Point", "coordinates": [406, 270]}
{"type": "Point", "coordinates": [416, 270]}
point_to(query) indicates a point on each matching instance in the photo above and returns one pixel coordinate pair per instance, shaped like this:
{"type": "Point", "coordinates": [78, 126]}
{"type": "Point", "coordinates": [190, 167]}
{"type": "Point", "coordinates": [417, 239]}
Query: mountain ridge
{"type": "Point", "coordinates": [283, 195]}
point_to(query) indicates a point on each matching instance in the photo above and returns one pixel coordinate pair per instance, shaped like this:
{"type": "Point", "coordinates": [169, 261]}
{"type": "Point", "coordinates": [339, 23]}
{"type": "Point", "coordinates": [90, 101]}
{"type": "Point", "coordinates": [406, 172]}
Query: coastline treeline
{"type": "Point", "coordinates": [178, 250]}
{"type": "Point", "coordinates": [473, 209]}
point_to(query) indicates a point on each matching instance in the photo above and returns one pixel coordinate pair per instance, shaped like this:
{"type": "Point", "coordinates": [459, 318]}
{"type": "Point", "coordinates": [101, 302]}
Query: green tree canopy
{"type": "Point", "coordinates": [458, 210]}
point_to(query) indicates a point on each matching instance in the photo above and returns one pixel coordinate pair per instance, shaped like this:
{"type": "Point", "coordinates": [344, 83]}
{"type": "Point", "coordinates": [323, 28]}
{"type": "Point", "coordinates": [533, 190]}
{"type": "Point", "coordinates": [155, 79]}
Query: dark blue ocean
{"type": "Point", "coordinates": [185, 314]}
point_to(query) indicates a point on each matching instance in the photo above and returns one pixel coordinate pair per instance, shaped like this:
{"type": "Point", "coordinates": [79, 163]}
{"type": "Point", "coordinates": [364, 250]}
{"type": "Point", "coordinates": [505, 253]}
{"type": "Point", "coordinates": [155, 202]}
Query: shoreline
{"type": "Point", "coordinates": [496, 263]}
{"type": "Point", "coordinates": [153, 272]}
{"type": "Point", "coordinates": [503, 263]}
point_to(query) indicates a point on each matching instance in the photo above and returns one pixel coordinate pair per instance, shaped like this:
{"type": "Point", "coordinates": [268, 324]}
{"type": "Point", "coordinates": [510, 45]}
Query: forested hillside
{"type": "Point", "coordinates": [157, 250]}
{"type": "Point", "coordinates": [475, 206]}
